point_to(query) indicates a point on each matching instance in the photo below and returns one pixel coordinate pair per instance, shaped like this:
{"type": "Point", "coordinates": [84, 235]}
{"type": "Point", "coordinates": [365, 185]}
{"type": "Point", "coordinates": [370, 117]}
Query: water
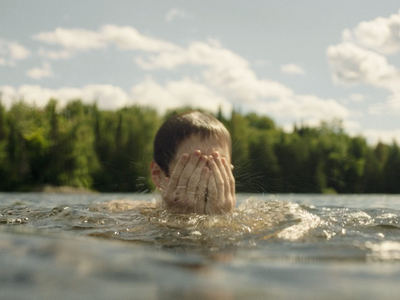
{"type": "Point", "coordinates": [280, 247]}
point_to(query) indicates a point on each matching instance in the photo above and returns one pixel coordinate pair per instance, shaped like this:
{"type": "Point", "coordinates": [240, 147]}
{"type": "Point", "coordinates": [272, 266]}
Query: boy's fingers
{"type": "Point", "coordinates": [230, 200]}
{"type": "Point", "coordinates": [193, 182]}
{"type": "Point", "coordinates": [212, 200]}
{"type": "Point", "coordinates": [219, 181]}
{"type": "Point", "coordinates": [229, 173]}
{"type": "Point", "coordinates": [176, 173]}
{"type": "Point", "coordinates": [200, 199]}
{"type": "Point", "coordinates": [220, 163]}
{"type": "Point", "coordinates": [189, 168]}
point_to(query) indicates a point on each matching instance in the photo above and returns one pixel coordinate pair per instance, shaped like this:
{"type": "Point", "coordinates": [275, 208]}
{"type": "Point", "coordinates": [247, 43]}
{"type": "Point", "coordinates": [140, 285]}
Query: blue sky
{"type": "Point", "coordinates": [294, 61]}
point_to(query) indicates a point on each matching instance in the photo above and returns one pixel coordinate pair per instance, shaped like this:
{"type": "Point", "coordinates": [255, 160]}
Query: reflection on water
{"type": "Point", "coordinates": [288, 246]}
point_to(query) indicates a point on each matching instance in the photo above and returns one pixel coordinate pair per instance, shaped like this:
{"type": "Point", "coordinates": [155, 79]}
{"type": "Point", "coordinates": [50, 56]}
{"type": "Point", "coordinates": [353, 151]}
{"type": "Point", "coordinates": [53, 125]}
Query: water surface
{"type": "Point", "coordinates": [272, 246]}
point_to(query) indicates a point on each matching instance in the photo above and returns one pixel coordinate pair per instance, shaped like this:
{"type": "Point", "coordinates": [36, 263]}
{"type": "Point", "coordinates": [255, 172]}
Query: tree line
{"type": "Point", "coordinates": [110, 151]}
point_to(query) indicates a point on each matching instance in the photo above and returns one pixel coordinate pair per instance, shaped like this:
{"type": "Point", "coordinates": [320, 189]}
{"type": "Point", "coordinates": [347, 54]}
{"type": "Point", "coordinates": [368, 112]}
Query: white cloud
{"type": "Point", "coordinates": [7, 95]}
{"type": "Point", "coordinates": [226, 71]}
{"type": "Point", "coordinates": [32, 94]}
{"type": "Point", "coordinates": [76, 40]}
{"type": "Point", "coordinates": [176, 94]}
{"type": "Point", "coordinates": [292, 69]}
{"type": "Point", "coordinates": [175, 13]}
{"type": "Point", "coordinates": [39, 73]}
{"type": "Point", "coordinates": [351, 127]}
{"type": "Point", "coordinates": [353, 65]}
{"type": "Point", "coordinates": [173, 94]}
{"type": "Point", "coordinates": [357, 97]}
{"type": "Point", "coordinates": [10, 52]}
{"type": "Point", "coordinates": [56, 55]}
{"type": "Point", "coordinates": [374, 136]}
{"type": "Point", "coordinates": [381, 34]}
{"type": "Point", "coordinates": [307, 108]}
{"type": "Point", "coordinates": [209, 53]}
{"type": "Point", "coordinates": [129, 38]}
{"type": "Point", "coordinates": [227, 78]}
{"type": "Point", "coordinates": [354, 62]}
{"type": "Point", "coordinates": [231, 76]}
{"type": "Point", "coordinates": [226, 75]}
{"type": "Point", "coordinates": [106, 96]}
{"type": "Point", "coordinates": [390, 107]}
{"type": "Point", "coordinates": [17, 51]}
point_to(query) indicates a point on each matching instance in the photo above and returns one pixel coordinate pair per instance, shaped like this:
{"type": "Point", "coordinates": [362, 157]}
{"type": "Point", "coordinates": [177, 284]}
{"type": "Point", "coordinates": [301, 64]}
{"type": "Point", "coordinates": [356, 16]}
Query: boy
{"type": "Point", "coordinates": [192, 165]}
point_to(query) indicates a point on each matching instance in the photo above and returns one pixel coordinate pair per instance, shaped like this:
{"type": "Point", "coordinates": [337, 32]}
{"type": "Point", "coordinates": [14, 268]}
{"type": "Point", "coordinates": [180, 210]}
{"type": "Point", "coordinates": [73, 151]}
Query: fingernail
{"type": "Point", "coordinates": [211, 158]}
{"type": "Point", "coordinates": [185, 156]}
{"type": "Point", "coordinates": [216, 154]}
{"type": "Point", "coordinates": [197, 153]}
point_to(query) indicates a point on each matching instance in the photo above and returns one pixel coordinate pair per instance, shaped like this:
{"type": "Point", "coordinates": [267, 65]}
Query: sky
{"type": "Point", "coordinates": [297, 62]}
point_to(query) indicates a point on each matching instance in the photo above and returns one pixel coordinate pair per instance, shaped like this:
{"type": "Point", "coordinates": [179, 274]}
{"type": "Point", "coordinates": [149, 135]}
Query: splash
{"type": "Point", "coordinates": [265, 219]}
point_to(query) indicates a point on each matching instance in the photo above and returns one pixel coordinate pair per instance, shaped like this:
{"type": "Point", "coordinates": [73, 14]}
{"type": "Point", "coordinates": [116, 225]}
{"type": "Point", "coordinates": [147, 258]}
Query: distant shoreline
{"type": "Point", "coordinates": [51, 189]}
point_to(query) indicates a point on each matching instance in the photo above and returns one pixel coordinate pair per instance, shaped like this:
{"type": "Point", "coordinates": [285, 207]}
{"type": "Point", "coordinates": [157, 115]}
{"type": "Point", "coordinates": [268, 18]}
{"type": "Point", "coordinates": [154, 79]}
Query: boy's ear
{"type": "Point", "coordinates": [156, 173]}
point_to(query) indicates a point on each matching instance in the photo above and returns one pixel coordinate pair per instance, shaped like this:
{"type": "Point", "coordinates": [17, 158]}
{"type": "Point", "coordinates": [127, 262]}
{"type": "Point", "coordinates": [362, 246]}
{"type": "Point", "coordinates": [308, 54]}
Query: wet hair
{"type": "Point", "coordinates": [181, 127]}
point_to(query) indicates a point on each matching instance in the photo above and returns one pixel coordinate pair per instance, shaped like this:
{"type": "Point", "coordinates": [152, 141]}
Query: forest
{"type": "Point", "coordinates": [110, 151]}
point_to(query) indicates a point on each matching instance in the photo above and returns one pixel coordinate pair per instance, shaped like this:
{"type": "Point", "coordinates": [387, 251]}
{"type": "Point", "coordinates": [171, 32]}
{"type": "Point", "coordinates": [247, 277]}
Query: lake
{"type": "Point", "coordinates": [55, 246]}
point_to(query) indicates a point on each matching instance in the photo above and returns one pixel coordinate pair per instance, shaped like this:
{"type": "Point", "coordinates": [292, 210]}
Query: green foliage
{"type": "Point", "coordinates": [110, 151]}
{"type": "Point", "coordinates": [124, 142]}
{"type": "Point", "coordinates": [239, 130]}
{"type": "Point", "coordinates": [3, 144]}
{"type": "Point", "coordinates": [391, 170]}
{"type": "Point", "coordinates": [260, 122]}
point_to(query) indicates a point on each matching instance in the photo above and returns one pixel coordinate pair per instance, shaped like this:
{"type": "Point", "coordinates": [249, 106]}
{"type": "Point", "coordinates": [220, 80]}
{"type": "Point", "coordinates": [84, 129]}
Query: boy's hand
{"type": "Point", "coordinates": [195, 188]}
{"type": "Point", "coordinates": [221, 186]}
{"type": "Point", "coordinates": [186, 188]}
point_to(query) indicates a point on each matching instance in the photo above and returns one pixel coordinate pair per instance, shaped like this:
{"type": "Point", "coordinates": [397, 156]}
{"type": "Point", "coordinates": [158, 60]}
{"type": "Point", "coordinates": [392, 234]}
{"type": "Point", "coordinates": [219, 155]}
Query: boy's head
{"type": "Point", "coordinates": [183, 130]}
